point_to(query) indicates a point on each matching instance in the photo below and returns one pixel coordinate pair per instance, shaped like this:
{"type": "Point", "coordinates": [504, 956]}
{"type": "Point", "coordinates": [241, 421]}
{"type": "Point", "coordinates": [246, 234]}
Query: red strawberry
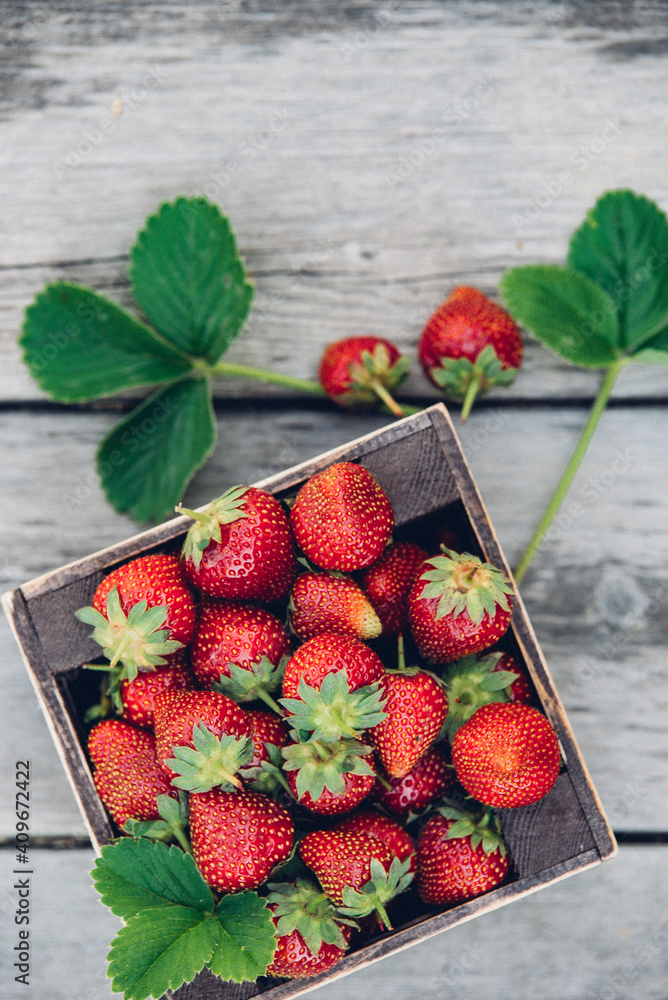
{"type": "Point", "coordinates": [127, 775]}
{"type": "Point", "coordinates": [415, 710]}
{"type": "Point", "coordinates": [240, 547]}
{"type": "Point", "coordinates": [330, 687]}
{"type": "Point", "coordinates": [142, 612]}
{"type": "Point", "coordinates": [238, 647]}
{"type": "Point", "coordinates": [388, 582]}
{"type": "Point", "coordinates": [330, 653]}
{"type": "Point", "coordinates": [354, 789]}
{"type": "Point", "coordinates": [458, 605]}
{"type": "Point", "coordinates": [322, 602]}
{"type": "Point", "coordinates": [138, 696]}
{"type": "Point", "coordinates": [311, 935]}
{"type": "Point", "coordinates": [238, 838]}
{"type": "Point", "coordinates": [341, 518]}
{"type": "Point", "coordinates": [358, 371]}
{"type": "Point", "coordinates": [460, 856]}
{"type": "Point", "coordinates": [358, 872]}
{"type": "Point", "coordinates": [202, 738]}
{"type": "Point", "coordinates": [263, 772]}
{"type": "Point", "coordinates": [481, 680]}
{"type": "Point", "coordinates": [469, 345]}
{"type": "Point", "coordinates": [507, 755]}
{"type": "Point", "coordinates": [521, 689]}
{"type": "Point", "coordinates": [428, 780]}
{"type": "Point", "coordinates": [390, 831]}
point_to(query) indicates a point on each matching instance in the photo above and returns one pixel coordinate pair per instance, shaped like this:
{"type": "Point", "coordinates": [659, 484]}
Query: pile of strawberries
{"type": "Point", "coordinates": [259, 680]}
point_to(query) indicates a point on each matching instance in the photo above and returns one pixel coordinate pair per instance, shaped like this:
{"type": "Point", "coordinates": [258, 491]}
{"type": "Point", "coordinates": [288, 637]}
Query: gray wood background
{"type": "Point", "coordinates": [370, 156]}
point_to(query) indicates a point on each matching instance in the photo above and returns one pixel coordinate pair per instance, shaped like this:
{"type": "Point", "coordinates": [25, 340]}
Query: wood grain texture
{"type": "Point", "coordinates": [441, 170]}
{"type": "Point", "coordinates": [545, 945]}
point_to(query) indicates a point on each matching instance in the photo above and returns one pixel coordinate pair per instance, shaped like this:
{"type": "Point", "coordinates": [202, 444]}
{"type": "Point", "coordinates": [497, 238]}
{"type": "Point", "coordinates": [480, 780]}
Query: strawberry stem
{"type": "Point", "coordinates": [471, 393]}
{"type": "Point", "coordinates": [386, 397]}
{"type": "Point", "coordinates": [401, 652]}
{"type": "Point", "coordinates": [569, 472]}
{"type": "Point", "coordinates": [262, 375]}
{"type": "Point", "coordinates": [269, 701]}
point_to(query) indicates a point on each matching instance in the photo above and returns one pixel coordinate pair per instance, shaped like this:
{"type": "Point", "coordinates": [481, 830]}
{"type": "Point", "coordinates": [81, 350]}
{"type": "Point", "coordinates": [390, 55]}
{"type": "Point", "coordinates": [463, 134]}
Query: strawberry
{"type": "Point", "coordinates": [506, 755]}
{"type": "Point", "coordinates": [358, 371]}
{"type": "Point", "coordinates": [240, 547]}
{"type": "Point", "coordinates": [328, 778]}
{"type": "Point", "coordinates": [311, 935]}
{"type": "Point", "coordinates": [521, 689]}
{"type": "Point", "coordinates": [329, 653]}
{"type": "Point", "coordinates": [138, 696]}
{"type": "Point", "coordinates": [142, 612]}
{"type": "Point", "coordinates": [263, 772]}
{"type": "Point", "coordinates": [469, 345]}
{"type": "Point", "coordinates": [390, 831]}
{"type": "Point", "coordinates": [361, 874]}
{"type": "Point", "coordinates": [430, 779]}
{"type": "Point", "coordinates": [238, 838]}
{"type": "Point", "coordinates": [330, 687]}
{"type": "Point", "coordinates": [480, 680]}
{"type": "Point", "coordinates": [323, 602]}
{"type": "Point", "coordinates": [457, 606]}
{"type": "Point", "coordinates": [239, 649]}
{"type": "Point", "coordinates": [127, 775]}
{"type": "Point", "coordinates": [341, 518]}
{"type": "Point", "coordinates": [415, 708]}
{"type": "Point", "coordinates": [460, 855]}
{"type": "Point", "coordinates": [388, 582]}
{"type": "Point", "coordinates": [202, 738]}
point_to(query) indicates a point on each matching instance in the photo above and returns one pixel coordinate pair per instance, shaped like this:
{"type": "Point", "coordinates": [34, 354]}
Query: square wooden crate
{"type": "Point", "coordinates": [420, 465]}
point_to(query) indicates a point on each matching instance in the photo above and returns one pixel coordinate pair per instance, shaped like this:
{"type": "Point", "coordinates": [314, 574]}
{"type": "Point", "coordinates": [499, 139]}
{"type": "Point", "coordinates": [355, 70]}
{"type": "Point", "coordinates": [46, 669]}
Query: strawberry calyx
{"type": "Point", "coordinates": [463, 583]}
{"type": "Point", "coordinates": [482, 828]}
{"type": "Point", "coordinates": [244, 684]}
{"type": "Point", "coordinates": [207, 523]}
{"type": "Point", "coordinates": [332, 711]}
{"type": "Point", "coordinates": [381, 888]}
{"type": "Point", "coordinates": [171, 825]}
{"type": "Point", "coordinates": [373, 376]}
{"type": "Point", "coordinates": [137, 640]}
{"type": "Point", "coordinates": [461, 379]}
{"type": "Point", "coordinates": [302, 907]}
{"type": "Point", "coordinates": [472, 682]}
{"type": "Point", "coordinates": [266, 777]}
{"type": "Point", "coordinates": [321, 766]}
{"type": "Point", "coordinates": [212, 761]}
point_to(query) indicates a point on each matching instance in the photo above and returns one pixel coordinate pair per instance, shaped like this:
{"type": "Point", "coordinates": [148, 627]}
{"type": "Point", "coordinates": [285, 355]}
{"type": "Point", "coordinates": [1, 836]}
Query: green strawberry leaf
{"type": "Point", "coordinates": [623, 247]}
{"type": "Point", "coordinates": [247, 939]}
{"type": "Point", "coordinates": [146, 461]}
{"type": "Point", "coordinates": [189, 278]}
{"type": "Point", "coordinates": [159, 950]}
{"type": "Point", "coordinates": [566, 311]}
{"type": "Point", "coordinates": [79, 346]}
{"type": "Point", "coordinates": [135, 875]}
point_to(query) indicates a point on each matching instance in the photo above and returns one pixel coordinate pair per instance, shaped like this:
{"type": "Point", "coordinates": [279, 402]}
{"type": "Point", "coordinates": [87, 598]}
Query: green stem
{"type": "Point", "coordinates": [386, 397]}
{"type": "Point", "coordinates": [469, 398]}
{"type": "Point", "coordinates": [263, 375]}
{"type": "Point", "coordinates": [569, 473]}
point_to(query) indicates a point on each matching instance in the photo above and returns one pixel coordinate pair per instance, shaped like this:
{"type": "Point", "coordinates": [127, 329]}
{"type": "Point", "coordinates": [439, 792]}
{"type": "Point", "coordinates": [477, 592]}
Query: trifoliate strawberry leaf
{"type": "Point", "coordinates": [79, 346]}
{"type": "Point", "coordinates": [247, 939]}
{"type": "Point", "coordinates": [566, 311]}
{"type": "Point", "coordinates": [135, 875]}
{"type": "Point", "coordinates": [623, 247]}
{"type": "Point", "coordinates": [189, 278]}
{"type": "Point", "coordinates": [146, 461]}
{"type": "Point", "coordinates": [159, 950]}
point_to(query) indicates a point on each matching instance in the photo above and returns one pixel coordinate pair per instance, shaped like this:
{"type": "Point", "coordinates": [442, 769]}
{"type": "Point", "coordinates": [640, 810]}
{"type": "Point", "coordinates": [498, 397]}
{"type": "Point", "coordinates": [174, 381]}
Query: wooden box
{"type": "Point", "coordinates": [420, 465]}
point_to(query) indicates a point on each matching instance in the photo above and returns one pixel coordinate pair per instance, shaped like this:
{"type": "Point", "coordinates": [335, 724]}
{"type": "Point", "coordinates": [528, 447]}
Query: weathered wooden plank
{"type": "Point", "coordinates": [545, 945]}
{"type": "Point", "coordinates": [363, 182]}
{"type": "Point", "coordinates": [596, 594]}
